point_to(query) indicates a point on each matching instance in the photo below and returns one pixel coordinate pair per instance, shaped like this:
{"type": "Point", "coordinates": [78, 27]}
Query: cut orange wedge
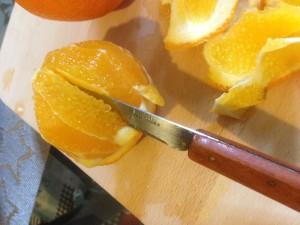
{"type": "Point", "coordinates": [194, 21]}
{"type": "Point", "coordinates": [232, 57]}
{"type": "Point", "coordinates": [278, 58]}
{"type": "Point", "coordinates": [70, 112]}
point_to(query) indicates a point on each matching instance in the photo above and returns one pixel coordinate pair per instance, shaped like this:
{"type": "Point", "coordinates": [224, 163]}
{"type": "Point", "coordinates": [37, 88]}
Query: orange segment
{"type": "Point", "coordinates": [278, 58]}
{"type": "Point", "coordinates": [69, 9]}
{"type": "Point", "coordinates": [76, 108]}
{"type": "Point", "coordinates": [194, 21]}
{"type": "Point", "coordinates": [239, 98]}
{"type": "Point", "coordinates": [88, 150]}
{"type": "Point", "coordinates": [232, 57]}
{"type": "Point", "coordinates": [65, 137]}
{"type": "Point", "coordinates": [150, 93]}
{"type": "Point", "coordinates": [101, 67]}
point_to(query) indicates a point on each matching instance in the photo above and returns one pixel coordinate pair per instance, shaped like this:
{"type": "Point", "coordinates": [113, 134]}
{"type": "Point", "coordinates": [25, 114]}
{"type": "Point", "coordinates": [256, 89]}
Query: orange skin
{"type": "Point", "coordinates": [69, 10]}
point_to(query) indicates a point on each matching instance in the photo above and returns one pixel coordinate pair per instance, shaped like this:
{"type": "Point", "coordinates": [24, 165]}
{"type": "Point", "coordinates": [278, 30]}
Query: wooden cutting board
{"type": "Point", "coordinates": [160, 185]}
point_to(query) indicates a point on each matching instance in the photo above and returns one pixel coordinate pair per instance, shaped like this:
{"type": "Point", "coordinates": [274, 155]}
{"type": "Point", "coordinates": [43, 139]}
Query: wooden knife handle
{"type": "Point", "coordinates": [256, 170]}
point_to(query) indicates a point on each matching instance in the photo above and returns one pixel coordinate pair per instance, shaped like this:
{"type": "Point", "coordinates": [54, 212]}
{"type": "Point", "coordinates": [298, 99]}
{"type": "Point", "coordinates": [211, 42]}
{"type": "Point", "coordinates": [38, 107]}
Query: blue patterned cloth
{"type": "Point", "coordinates": [5, 9]}
{"type": "Point", "coordinates": [22, 158]}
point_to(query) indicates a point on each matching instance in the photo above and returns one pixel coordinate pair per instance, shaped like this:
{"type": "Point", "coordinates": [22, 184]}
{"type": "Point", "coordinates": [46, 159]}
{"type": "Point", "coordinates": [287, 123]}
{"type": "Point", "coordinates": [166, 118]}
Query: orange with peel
{"type": "Point", "coordinates": [68, 9]}
{"type": "Point", "coordinates": [194, 21]}
{"type": "Point", "coordinates": [70, 112]}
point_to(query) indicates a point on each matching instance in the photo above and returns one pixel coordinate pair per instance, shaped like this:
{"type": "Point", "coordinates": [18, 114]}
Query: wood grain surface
{"type": "Point", "coordinates": [160, 185]}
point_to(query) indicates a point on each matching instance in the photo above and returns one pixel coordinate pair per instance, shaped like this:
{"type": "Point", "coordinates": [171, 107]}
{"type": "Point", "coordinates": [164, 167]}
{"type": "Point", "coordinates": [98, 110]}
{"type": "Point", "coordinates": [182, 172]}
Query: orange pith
{"type": "Point", "coordinates": [193, 22]}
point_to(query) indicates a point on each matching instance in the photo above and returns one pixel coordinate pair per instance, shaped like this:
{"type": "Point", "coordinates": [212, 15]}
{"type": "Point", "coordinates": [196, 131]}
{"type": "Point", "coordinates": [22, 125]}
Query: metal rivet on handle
{"type": "Point", "coordinates": [211, 158]}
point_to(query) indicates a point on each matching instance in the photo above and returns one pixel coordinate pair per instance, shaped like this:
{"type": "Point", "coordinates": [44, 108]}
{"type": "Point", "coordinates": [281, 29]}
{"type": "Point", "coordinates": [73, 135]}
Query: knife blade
{"type": "Point", "coordinates": [171, 133]}
{"type": "Point", "coordinates": [262, 173]}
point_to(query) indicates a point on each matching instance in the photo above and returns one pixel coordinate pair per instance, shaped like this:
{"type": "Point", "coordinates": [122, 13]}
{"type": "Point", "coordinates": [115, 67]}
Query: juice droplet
{"type": "Point", "coordinates": [19, 108]}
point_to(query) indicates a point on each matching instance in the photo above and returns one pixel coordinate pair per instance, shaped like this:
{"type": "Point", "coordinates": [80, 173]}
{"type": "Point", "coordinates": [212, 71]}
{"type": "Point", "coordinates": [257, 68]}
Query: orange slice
{"type": "Point", "coordinates": [194, 21]}
{"type": "Point", "coordinates": [278, 58]}
{"type": "Point", "coordinates": [232, 57]}
{"type": "Point", "coordinates": [69, 115]}
{"type": "Point", "coordinates": [63, 136]}
{"type": "Point", "coordinates": [76, 108]}
{"type": "Point", "coordinates": [103, 68]}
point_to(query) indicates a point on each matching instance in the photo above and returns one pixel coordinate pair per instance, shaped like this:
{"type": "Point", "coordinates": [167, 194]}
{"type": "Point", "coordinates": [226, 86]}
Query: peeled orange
{"type": "Point", "coordinates": [194, 21]}
{"type": "Point", "coordinates": [69, 9]}
{"type": "Point", "coordinates": [70, 112]}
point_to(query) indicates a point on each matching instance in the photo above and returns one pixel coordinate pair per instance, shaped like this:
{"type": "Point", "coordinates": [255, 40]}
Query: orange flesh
{"type": "Point", "coordinates": [69, 115]}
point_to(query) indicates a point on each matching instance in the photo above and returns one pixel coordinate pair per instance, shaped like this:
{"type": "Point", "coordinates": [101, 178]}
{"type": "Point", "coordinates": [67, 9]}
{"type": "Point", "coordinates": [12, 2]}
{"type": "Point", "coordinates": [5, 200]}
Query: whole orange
{"type": "Point", "coordinates": [70, 10]}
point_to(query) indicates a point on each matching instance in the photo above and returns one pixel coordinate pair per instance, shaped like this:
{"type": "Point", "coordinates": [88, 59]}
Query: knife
{"type": "Point", "coordinates": [256, 170]}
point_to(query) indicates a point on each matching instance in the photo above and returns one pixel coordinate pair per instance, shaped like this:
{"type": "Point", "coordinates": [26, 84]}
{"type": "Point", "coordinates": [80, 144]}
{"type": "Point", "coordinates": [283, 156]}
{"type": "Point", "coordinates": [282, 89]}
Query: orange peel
{"type": "Point", "coordinates": [193, 22]}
